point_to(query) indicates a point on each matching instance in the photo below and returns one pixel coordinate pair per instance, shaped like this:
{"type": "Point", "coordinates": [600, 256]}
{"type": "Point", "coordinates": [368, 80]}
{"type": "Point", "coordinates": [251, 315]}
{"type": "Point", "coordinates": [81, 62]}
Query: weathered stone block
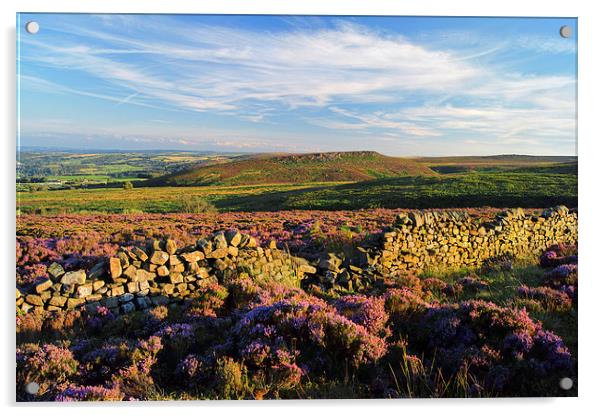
{"type": "Point", "coordinates": [233, 237]}
{"type": "Point", "coordinates": [193, 256]}
{"type": "Point", "coordinates": [170, 246]}
{"type": "Point", "coordinates": [74, 302]}
{"type": "Point", "coordinates": [43, 285]}
{"type": "Point", "coordinates": [126, 298]}
{"type": "Point", "coordinates": [127, 308]}
{"type": "Point", "coordinates": [55, 269]}
{"type": "Point", "coordinates": [83, 291]}
{"type": "Point", "coordinates": [162, 271]}
{"type": "Point", "coordinates": [34, 300]}
{"type": "Point", "coordinates": [74, 277]}
{"type": "Point", "coordinates": [217, 253]}
{"type": "Point", "coordinates": [115, 269]}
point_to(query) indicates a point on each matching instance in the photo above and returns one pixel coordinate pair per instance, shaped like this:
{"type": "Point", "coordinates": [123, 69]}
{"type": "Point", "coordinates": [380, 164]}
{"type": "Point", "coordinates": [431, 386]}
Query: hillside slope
{"type": "Point", "coordinates": [297, 168]}
{"type": "Point", "coordinates": [499, 163]}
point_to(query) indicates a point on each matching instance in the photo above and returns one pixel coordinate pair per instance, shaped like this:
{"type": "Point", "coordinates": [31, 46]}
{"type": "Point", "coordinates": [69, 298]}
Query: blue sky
{"type": "Point", "coordinates": [398, 85]}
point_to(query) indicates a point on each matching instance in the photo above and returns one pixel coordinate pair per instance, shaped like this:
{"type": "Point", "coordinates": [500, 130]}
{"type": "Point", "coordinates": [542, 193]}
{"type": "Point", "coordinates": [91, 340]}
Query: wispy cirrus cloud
{"type": "Point", "coordinates": [342, 77]}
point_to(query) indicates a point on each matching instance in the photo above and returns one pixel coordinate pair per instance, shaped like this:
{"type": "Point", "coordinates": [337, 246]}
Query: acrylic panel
{"type": "Point", "coordinates": [295, 207]}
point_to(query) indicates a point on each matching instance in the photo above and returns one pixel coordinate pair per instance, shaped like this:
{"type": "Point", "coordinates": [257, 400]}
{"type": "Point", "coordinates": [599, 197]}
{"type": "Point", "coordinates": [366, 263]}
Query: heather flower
{"type": "Point", "coordinates": [153, 344]}
{"type": "Point", "coordinates": [571, 291]}
{"type": "Point", "coordinates": [308, 328]}
{"type": "Point", "coordinates": [136, 380]}
{"type": "Point", "coordinates": [518, 344]}
{"type": "Point", "coordinates": [472, 284]}
{"type": "Point", "coordinates": [368, 312]}
{"type": "Point", "coordinates": [549, 298]}
{"type": "Point", "coordinates": [558, 255]}
{"type": "Point", "coordinates": [256, 352]}
{"type": "Point", "coordinates": [193, 370]}
{"type": "Point", "coordinates": [99, 318]}
{"type": "Point", "coordinates": [403, 305]}
{"type": "Point", "coordinates": [89, 393]}
{"type": "Point", "coordinates": [565, 274]}
{"type": "Point", "coordinates": [176, 331]}
{"type": "Point", "coordinates": [550, 353]}
{"type": "Point", "coordinates": [285, 375]}
{"type": "Point", "coordinates": [548, 259]}
{"type": "Point", "coordinates": [207, 301]}
{"type": "Point", "coordinates": [48, 365]}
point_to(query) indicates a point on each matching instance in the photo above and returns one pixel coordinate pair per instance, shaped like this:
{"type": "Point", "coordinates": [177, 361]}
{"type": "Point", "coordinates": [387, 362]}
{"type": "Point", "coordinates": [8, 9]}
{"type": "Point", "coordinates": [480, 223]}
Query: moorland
{"type": "Point", "coordinates": [505, 327]}
{"type": "Point", "coordinates": [272, 182]}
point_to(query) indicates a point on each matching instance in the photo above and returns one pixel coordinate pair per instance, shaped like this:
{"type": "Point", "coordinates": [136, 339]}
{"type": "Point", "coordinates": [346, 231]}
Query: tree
{"type": "Point", "coordinates": [128, 185]}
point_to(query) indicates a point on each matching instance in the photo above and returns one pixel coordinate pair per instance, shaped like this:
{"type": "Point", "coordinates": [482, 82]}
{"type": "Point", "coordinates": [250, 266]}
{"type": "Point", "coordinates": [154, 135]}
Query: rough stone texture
{"type": "Point", "coordinates": [159, 257]}
{"type": "Point", "coordinates": [43, 285]}
{"type": "Point", "coordinates": [454, 239]}
{"type": "Point", "coordinates": [56, 270]}
{"type": "Point", "coordinates": [74, 277]}
{"type": "Point", "coordinates": [115, 267]}
{"type": "Point", "coordinates": [171, 246]}
{"type": "Point", "coordinates": [415, 241]}
{"type": "Point", "coordinates": [134, 279]}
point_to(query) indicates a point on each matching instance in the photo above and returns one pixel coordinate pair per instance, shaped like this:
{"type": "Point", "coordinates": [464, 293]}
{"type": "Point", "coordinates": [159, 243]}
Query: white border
{"type": "Point", "coordinates": [590, 118]}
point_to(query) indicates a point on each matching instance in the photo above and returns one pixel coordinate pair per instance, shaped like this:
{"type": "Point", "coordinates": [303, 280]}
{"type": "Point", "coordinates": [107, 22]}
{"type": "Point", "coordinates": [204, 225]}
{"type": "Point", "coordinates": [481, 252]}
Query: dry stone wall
{"type": "Point", "coordinates": [139, 278]}
{"type": "Point", "coordinates": [446, 239]}
{"type": "Point", "coordinates": [453, 239]}
{"type": "Point", "coordinates": [162, 273]}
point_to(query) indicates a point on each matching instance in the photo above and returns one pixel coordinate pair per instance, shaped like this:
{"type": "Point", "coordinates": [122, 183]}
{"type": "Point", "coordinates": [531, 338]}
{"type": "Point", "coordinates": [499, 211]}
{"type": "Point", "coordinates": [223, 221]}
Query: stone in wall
{"type": "Point", "coordinates": [160, 273]}
{"type": "Point", "coordinates": [447, 239]}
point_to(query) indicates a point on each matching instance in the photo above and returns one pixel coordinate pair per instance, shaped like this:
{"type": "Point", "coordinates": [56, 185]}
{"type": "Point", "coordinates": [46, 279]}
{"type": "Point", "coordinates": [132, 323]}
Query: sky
{"type": "Point", "coordinates": [402, 86]}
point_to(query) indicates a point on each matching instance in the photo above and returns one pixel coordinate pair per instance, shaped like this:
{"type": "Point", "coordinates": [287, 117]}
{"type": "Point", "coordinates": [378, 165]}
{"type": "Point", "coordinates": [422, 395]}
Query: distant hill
{"type": "Point", "coordinates": [297, 168]}
{"type": "Point", "coordinates": [500, 163]}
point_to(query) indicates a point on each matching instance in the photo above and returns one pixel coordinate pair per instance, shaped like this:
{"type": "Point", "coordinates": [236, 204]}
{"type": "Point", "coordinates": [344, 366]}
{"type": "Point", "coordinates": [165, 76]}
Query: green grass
{"type": "Point", "coordinates": [449, 191]}
{"type": "Point", "coordinates": [468, 190]}
{"type": "Point", "coordinates": [66, 168]}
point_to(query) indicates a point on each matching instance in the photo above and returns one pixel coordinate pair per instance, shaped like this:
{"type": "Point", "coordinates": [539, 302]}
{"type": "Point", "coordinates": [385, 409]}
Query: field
{"type": "Point", "coordinates": [447, 191]}
{"type": "Point", "coordinates": [507, 327]}
{"type": "Point", "coordinates": [68, 169]}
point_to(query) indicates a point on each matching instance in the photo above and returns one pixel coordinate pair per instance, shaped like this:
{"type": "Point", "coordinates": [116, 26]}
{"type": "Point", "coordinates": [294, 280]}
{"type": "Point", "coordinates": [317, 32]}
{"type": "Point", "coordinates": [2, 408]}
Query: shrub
{"type": "Point", "coordinates": [403, 306]}
{"type": "Point", "coordinates": [496, 345]}
{"type": "Point", "coordinates": [135, 380]}
{"type": "Point", "coordinates": [549, 298]}
{"type": "Point", "coordinates": [196, 204]}
{"type": "Point", "coordinates": [309, 333]}
{"type": "Point", "coordinates": [231, 379]}
{"type": "Point", "coordinates": [48, 365]}
{"type": "Point", "coordinates": [368, 312]}
{"type": "Point", "coordinates": [561, 275]}
{"type": "Point", "coordinates": [207, 301]}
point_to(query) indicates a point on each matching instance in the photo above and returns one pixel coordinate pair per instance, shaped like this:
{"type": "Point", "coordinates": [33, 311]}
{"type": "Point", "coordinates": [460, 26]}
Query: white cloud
{"type": "Point", "coordinates": [219, 68]}
{"type": "Point", "coordinates": [412, 90]}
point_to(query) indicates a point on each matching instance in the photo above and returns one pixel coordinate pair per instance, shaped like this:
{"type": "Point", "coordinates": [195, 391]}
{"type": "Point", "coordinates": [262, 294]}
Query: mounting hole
{"type": "Point", "coordinates": [566, 383]}
{"type": "Point", "coordinates": [32, 27]}
{"type": "Point", "coordinates": [32, 388]}
{"type": "Point", "coordinates": [566, 31]}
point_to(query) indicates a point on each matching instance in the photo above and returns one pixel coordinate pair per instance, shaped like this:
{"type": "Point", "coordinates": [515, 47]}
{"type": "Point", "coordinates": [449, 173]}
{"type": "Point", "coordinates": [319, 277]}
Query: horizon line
{"type": "Point", "coordinates": [109, 150]}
